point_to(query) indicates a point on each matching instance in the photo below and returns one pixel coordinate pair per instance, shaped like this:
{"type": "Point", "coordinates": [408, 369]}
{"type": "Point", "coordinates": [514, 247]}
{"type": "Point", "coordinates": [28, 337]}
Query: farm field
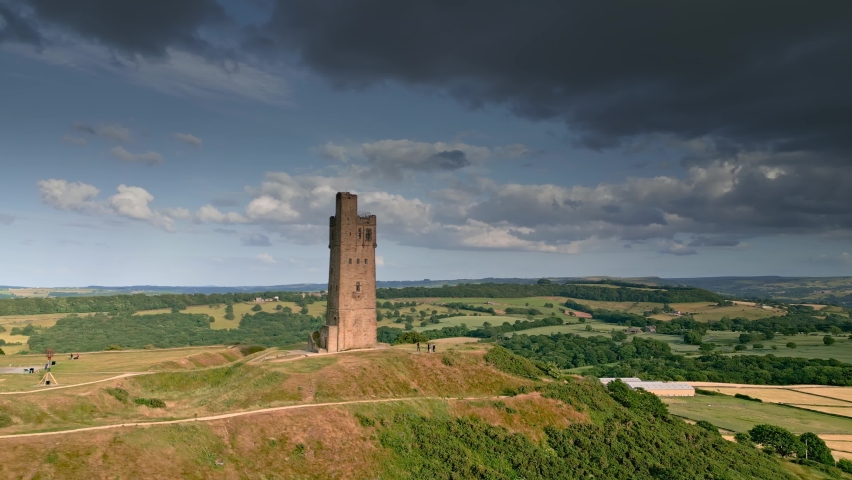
{"type": "Point", "coordinates": [739, 415]}
{"type": "Point", "coordinates": [785, 395]}
{"type": "Point", "coordinates": [842, 411]}
{"type": "Point", "coordinates": [840, 393]}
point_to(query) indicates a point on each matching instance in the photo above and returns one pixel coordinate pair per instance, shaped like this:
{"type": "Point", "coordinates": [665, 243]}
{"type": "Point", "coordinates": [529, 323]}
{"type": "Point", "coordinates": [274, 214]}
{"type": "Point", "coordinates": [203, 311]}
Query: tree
{"type": "Point", "coordinates": [845, 465]}
{"type": "Point", "coordinates": [304, 310]}
{"type": "Point", "coordinates": [692, 338]}
{"type": "Point", "coordinates": [835, 330]}
{"type": "Point", "coordinates": [424, 323]}
{"type": "Point", "coordinates": [412, 309]}
{"type": "Point", "coordinates": [743, 438]}
{"type": "Point", "coordinates": [543, 281]}
{"type": "Point", "coordinates": [758, 346]}
{"type": "Point", "coordinates": [816, 449]}
{"type": "Point", "coordinates": [745, 337]}
{"type": "Point", "coordinates": [229, 312]}
{"type": "Point", "coordinates": [256, 308]}
{"type": "Point", "coordinates": [2, 352]}
{"type": "Point", "coordinates": [279, 307]}
{"type": "Point", "coordinates": [780, 439]}
{"type": "Point", "coordinates": [740, 348]}
{"type": "Point", "coordinates": [707, 347]}
{"type": "Point", "coordinates": [791, 345]}
{"type": "Point", "coordinates": [409, 326]}
{"type": "Point", "coordinates": [828, 340]}
{"type": "Point", "coordinates": [618, 335]}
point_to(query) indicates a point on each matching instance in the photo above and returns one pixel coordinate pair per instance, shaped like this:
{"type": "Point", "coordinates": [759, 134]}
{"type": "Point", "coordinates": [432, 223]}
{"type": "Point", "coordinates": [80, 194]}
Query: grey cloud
{"type": "Point", "coordinates": [718, 241]}
{"type": "Point", "coordinates": [148, 158]}
{"type": "Point", "coordinates": [225, 231]}
{"type": "Point", "coordinates": [188, 138]}
{"type": "Point", "coordinates": [6, 219]}
{"type": "Point", "coordinates": [132, 28]}
{"type": "Point", "coordinates": [450, 160]}
{"type": "Point", "coordinates": [255, 240]}
{"type": "Point", "coordinates": [14, 27]}
{"type": "Point", "coordinates": [724, 69]}
{"type": "Point", "coordinates": [677, 249]}
{"type": "Point", "coordinates": [84, 128]}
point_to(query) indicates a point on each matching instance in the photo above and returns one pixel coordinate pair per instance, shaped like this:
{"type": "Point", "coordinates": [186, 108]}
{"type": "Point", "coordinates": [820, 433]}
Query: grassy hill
{"type": "Point", "coordinates": [390, 413]}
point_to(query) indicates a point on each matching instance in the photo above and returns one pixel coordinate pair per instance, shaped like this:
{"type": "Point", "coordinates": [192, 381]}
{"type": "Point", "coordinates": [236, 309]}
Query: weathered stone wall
{"type": "Point", "coordinates": [352, 275]}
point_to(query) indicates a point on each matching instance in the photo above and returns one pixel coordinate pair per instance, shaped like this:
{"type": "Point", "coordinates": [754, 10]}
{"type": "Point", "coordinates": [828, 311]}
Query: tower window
{"type": "Point", "coordinates": [369, 234]}
{"type": "Point", "coordinates": [358, 261]}
{"type": "Point", "coordinates": [359, 233]}
{"type": "Point", "coordinates": [365, 261]}
{"type": "Point", "coordinates": [357, 286]}
{"type": "Point", "coordinates": [350, 261]}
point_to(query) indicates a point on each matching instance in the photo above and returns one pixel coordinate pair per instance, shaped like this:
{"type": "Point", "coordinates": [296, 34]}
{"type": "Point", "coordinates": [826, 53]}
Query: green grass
{"type": "Point", "coordinates": [740, 415]}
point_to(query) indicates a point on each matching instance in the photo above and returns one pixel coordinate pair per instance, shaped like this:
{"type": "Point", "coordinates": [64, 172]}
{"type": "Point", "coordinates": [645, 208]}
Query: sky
{"type": "Point", "coordinates": [202, 142]}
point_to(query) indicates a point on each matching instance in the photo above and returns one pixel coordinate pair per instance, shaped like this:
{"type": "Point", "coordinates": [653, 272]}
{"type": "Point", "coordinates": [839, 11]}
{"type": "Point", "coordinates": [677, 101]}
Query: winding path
{"type": "Point", "coordinates": [234, 414]}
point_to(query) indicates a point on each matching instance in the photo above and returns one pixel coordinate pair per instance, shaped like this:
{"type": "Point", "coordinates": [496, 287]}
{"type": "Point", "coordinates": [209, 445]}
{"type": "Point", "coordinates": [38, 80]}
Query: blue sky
{"type": "Point", "coordinates": [154, 161]}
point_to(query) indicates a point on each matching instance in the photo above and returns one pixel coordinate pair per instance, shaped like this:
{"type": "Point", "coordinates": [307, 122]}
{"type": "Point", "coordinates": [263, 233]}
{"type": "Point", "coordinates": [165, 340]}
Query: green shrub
{"type": "Point", "coordinates": [114, 347]}
{"type": "Point", "coordinates": [5, 420]}
{"type": "Point", "coordinates": [508, 362]}
{"type": "Point", "coordinates": [746, 397]}
{"type": "Point", "coordinates": [743, 438]}
{"type": "Point", "coordinates": [364, 420]}
{"type": "Point", "coordinates": [740, 348]}
{"type": "Point", "coordinates": [708, 426]}
{"type": "Point", "coordinates": [2, 352]}
{"type": "Point", "coordinates": [845, 465]}
{"type": "Point", "coordinates": [120, 394]}
{"type": "Point", "coordinates": [250, 349]}
{"type": "Point", "coordinates": [700, 391]}
{"type": "Point", "coordinates": [410, 337]}
{"type": "Point", "coordinates": [150, 402]}
{"type": "Point", "coordinates": [256, 308]}
{"type": "Point", "coordinates": [791, 345]}
{"type": "Point", "coordinates": [448, 360]}
{"type": "Point", "coordinates": [828, 340]}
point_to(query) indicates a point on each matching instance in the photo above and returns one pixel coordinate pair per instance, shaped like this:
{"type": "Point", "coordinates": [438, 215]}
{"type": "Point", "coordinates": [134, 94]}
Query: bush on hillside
{"type": "Point", "coordinates": [508, 362]}
{"type": "Point", "coordinates": [119, 394]}
{"type": "Point", "coordinates": [150, 402]}
{"type": "Point", "coordinates": [250, 349]}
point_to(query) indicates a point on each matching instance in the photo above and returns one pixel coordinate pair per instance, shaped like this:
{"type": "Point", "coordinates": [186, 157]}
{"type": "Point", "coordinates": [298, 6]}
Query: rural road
{"type": "Point", "coordinates": [234, 414]}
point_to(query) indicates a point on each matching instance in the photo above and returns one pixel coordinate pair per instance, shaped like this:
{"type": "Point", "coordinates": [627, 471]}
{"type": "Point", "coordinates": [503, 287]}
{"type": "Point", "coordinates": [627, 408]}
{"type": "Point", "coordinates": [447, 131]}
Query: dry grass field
{"type": "Point", "coordinates": [784, 395]}
{"type": "Point", "coordinates": [840, 393]}
{"type": "Point", "coordinates": [842, 411]}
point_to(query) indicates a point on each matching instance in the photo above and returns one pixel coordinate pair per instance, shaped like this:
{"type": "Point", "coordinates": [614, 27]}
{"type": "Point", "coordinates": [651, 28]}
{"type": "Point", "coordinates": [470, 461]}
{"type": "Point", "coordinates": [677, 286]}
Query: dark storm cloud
{"type": "Point", "coordinates": [15, 28]}
{"type": "Point", "coordinates": [763, 72]}
{"type": "Point", "coordinates": [145, 28]}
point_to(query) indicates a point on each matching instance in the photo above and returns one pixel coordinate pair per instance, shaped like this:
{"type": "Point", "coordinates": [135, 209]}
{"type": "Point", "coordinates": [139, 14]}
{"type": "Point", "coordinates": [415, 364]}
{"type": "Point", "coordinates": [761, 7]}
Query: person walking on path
{"type": "Point", "coordinates": [433, 348]}
{"type": "Point", "coordinates": [418, 346]}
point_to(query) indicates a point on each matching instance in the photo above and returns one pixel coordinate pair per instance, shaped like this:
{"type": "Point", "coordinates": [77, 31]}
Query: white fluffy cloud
{"type": "Point", "coordinates": [330, 151]}
{"type": "Point", "coordinates": [188, 138]}
{"type": "Point", "coordinates": [66, 195]}
{"type": "Point", "coordinates": [149, 157]}
{"type": "Point", "coordinates": [129, 202]}
{"type": "Point", "coordinates": [210, 214]}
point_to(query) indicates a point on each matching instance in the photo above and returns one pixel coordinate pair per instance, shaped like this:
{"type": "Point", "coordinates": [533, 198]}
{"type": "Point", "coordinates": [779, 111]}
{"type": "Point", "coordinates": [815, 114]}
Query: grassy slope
{"type": "Point", "coordinates": [326, 442]}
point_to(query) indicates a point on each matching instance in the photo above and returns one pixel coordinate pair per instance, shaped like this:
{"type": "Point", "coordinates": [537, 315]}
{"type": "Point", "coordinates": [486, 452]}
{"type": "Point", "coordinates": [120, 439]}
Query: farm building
{"type": "Point", "coordinates": [660, 389]}
{"type": "Point", "coordinates": [651, 329]}
{"type": "Point", "coordinates": [634, 330]}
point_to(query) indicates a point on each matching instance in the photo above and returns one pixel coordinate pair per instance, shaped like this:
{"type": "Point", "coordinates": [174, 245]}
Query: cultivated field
{"type": "Point", "coordinates": [740, 415]}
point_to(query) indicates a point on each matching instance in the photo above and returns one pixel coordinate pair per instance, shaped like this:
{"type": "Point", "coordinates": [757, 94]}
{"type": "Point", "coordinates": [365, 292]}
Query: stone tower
{"type": "Point", "coordinates": [350, 320]}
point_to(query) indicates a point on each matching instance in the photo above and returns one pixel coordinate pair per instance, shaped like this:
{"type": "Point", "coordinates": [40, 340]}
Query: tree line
{"type": "Point", "coordinates": [653, 360]}
{"type": "Point", "coordinates": [587, 292]}
{"type": "Point", "coordinates": [168, 330]}
{"type": "Point", "coordinates": [136, 302]}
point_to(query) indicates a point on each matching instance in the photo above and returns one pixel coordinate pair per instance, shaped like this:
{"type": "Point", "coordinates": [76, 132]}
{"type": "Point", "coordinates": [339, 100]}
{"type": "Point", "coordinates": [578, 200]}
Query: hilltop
{"type": "Point", "coordinates": [468, 411]}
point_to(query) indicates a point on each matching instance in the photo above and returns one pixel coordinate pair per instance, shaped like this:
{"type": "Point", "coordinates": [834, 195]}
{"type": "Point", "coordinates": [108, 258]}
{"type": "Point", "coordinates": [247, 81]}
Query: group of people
{"type": "Point", "coordinates": [74, 356]}
{"type": "Point", "coordinates": [430, 347]}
